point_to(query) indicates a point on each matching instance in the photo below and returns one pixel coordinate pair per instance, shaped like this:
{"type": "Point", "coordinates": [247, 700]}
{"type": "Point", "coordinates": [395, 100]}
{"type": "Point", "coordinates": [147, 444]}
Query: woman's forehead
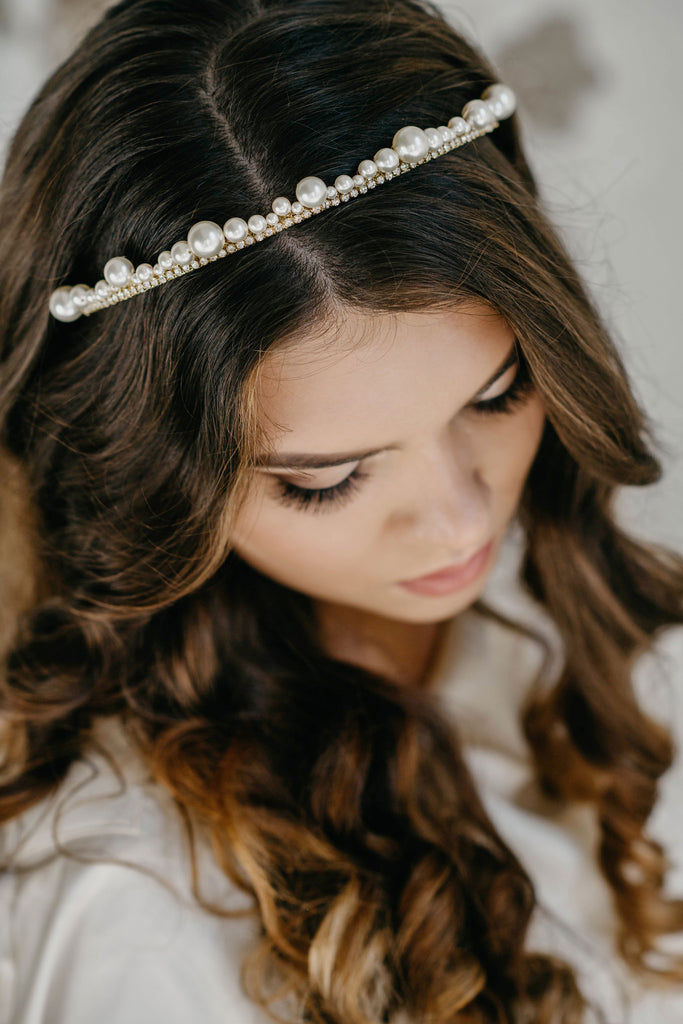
{"type": "Point", "coordinates": [369, 336]}
{"type": "Point", "coordinates": [378, 367]}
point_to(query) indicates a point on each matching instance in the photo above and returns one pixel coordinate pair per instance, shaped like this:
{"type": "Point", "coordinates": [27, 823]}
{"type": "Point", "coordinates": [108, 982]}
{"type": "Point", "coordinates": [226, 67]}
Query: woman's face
{"type": "Point", "coordinates": [397, 448]}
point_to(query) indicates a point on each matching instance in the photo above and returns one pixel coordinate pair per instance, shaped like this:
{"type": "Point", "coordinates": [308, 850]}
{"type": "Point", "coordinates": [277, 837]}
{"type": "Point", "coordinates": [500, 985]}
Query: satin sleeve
{"type": "Point", "coordinates": [109, 943]}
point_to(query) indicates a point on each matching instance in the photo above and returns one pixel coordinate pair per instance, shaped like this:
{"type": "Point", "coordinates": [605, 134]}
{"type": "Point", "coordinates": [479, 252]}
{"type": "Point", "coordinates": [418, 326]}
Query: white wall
{"type": "Point", "coordinates": [599, 100]}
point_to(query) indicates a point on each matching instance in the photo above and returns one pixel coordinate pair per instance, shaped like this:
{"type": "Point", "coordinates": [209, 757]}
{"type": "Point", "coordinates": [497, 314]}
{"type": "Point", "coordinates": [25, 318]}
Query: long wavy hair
{"type": "Point", "coordinates": [340, 801]}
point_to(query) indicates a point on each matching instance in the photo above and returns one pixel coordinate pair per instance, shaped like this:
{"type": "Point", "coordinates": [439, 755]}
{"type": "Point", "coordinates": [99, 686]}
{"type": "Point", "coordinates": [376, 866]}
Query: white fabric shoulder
{"type": "Point", "coordinates": [103, 925]}
{"type": "Point", "coordinates": [482, 677]}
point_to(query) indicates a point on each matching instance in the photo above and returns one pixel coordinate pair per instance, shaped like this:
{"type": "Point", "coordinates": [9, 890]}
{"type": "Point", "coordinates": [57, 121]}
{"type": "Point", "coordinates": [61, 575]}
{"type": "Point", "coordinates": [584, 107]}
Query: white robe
{"type": "Point", "coordinates": [99, 941]}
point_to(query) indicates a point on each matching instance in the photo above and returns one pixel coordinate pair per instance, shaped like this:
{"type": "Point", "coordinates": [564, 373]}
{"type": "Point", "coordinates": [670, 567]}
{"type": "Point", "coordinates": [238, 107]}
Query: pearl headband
{"type": "Point", "coordinates": [207, 242]}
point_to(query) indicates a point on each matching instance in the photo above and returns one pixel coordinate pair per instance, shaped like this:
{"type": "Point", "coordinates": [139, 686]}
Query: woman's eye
{"type": "Point", "coordinates": [521, 386]}
{"type": "Point", "coordinates": [319, 498]}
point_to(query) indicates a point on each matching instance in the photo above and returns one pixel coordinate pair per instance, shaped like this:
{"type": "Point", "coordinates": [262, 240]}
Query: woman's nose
{"type": "Point", "coordinates": [448, 502]}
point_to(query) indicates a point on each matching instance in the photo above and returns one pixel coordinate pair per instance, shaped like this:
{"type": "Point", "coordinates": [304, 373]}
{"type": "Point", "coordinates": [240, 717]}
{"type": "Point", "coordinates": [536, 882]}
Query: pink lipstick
{"type": "Point", "coordinates": [453, 578]}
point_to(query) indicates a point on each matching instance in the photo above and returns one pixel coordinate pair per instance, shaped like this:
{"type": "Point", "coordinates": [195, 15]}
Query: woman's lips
{"type": "Point", "coordinates": [447, 581]}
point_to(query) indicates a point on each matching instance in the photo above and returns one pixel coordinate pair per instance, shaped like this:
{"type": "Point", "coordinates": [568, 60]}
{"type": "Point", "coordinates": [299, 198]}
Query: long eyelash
{"type": "Point", "coordinates": [518, 391]}
{"type": "Point", "coordinates": [321, 497]}
{"type": "Point", "coordinates": [318, 499]}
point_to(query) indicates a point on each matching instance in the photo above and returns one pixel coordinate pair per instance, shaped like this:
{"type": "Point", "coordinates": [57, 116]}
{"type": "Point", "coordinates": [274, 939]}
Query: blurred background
{"type": "Point", "coordinates": [599, 103]}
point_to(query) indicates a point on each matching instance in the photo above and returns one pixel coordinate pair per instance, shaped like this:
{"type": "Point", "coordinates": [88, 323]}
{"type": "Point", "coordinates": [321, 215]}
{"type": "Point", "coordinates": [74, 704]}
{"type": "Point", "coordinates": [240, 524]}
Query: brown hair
{"type": "Point", "coordinates": [339, 800]}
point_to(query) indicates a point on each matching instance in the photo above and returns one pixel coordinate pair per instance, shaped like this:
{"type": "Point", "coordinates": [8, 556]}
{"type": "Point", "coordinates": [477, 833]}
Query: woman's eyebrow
{"type": "Point", "coordinates": [291, 460]}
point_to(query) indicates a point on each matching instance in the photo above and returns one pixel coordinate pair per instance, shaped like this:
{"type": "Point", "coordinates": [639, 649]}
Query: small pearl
{"type": "Point", "coordinates": [331, 192]}
{"type": "Point", "coordinates": [62, 306]}
{"type": "Point", "coordinates": [387, 159]}
{"type": "Point", "coordinates": [358, 179]}
{"type": "Point", "coordinates": [181, 254]}
{"type": "Point", "coordinates": [165, 260]}
{"type": "Point", "coordinates": [257, 224]}
{"type": "Point", "coordinates": [501, 99]}
{"type": "Point", "coordinates": [118, 272]}
{"type": "Point", "coordinates": [411, 144]}
{"type": "Point", "coordinates": [433, 138]}
{"type": "Point", "coordinates": [447, 133]}
{"type": "Point", "coordinates": [236, 229]}
{"type": "Point", "coordinates": [144, 272]}
{"type": "Point", "coordinates": [281, 206]}
{"type": "Point", "coordinates": [102, 289]}
{"type": "Point", "coordinates": [459, 125]}
{"type": "Point", "coordinates": [80, 294]}
{"type": "Point", "coordinates": [297, 208]}
{"type": "Point", "coordinates": [367, 168]}
{"type": "Point", "coordinates": [205, 238]}
{"type": "Point", "coordinates": [272, 219]}
{"type": "Point", "coordinates": [311, 192]}
{"type": "Point", "coordinates": [344, 183]}
{"type": "Point", "coordinates": [478, 113]}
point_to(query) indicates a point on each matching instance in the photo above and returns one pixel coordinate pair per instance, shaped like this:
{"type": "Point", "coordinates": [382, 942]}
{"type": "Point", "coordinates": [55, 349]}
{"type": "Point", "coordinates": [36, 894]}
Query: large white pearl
{"type": "Point", "coordinates": [118, 272]}
{"type": "Point", "coordinates": [205, 238]}
{"type": "Point", "coordinates": [80, 293]}
{"type": "Point", "coordinates": [311, 192]}
{"type": "Point", "coordinates": [387, 159]}
{"type": "Point", "coordinates": [478, 113]}
{"type": "Point", "coordinates": [181, 254]}
{"type": "Point", "coordinates": [62, 306]}
{"type": "Point", "coordinates": [501, 99]}
{"type": "Point", "coordinates": [235, 229]}
{"type": "Point", "coordinates": [411, 144]}
{"type": "Point", "coordinates": [281, 206]}
{"type": "Point", "coordinates": [257, 224]}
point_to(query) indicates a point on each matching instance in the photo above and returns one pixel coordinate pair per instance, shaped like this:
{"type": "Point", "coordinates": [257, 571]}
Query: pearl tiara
{"type": "Point", "coordinates": [207, 241]}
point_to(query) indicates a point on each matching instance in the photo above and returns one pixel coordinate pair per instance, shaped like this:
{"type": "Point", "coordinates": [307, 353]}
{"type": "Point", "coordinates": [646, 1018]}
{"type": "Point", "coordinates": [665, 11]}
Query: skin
{"type": "Point", "coordinates": [450, 482]}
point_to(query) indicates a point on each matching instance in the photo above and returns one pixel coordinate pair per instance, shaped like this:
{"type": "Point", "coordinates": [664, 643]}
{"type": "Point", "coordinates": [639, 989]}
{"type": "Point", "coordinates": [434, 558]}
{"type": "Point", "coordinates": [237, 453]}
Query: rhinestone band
{"type": "Point", "coordinates": [207, 242]}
